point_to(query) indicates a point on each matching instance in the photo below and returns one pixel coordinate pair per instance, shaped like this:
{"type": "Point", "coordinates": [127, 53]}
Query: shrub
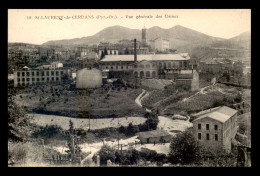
{"type": "Point", "coordinates": [105, 153]}
{"type": "Point", "coordinates": [184, 148]}
{"type": "Point", "coordinates": [131, 129]}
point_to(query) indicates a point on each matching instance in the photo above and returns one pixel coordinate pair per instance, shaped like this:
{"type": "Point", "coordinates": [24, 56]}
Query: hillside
{"type": "Point", "coordinates": [178, 36]}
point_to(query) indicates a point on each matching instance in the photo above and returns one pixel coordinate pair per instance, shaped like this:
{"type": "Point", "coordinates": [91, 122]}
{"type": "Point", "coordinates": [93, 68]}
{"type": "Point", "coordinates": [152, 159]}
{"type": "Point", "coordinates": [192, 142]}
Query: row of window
{"type": "Point", "coordinates": [116, 67]}
{"type": "Point", "coordinates": [207, 127]}
{"type": "Point", "coordinates": [37, 79]}
{"type": "Point", "coordinates": [208, 137]}
{"type": "Point", "coordinates": [38, 73]}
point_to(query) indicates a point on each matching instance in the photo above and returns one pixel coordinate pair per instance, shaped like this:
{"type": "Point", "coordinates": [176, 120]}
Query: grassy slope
{"type": "Point", "coordinates": [69, 103]}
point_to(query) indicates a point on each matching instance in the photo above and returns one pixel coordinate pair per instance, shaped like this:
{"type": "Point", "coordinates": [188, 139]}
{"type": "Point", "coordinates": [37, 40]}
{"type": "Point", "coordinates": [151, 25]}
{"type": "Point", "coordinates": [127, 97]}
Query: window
{"type": "Point", "coordinates": [28, 73]}
{"type": "Point", "coordinates": [147, 66]}
{"type": "Point", "coordinates": [19, 80]}
{"type": "Point", "coordinates": [38, 79]}
{"type": "Point", "coordinates": [216, 137]}
{"type": "Point", "coordinates": [216, 127]}
{"type": "Point", "coordinates": [122, 67]}
{"type": "Point", "coordinates": [33, 79]}
{"type": "Point", "coordinates": [116, 67]}
{"type": "Point", "coordinates": [37, 73]}
{"type": "Point", "coordinates": [48, 78]}
{"type": "Point", "coordinates": [47, 73]}
{"type": "Point", "coordinates": [52, 78]}
{"type": "Point", "coordinates": [207, 136]}
{"type": "Point", "coordinates": [32, 73]}
{"type": "Point", "coordinates": [28, 79]}
{"type": "Point", "coordinates": [42, 73]}
{"type": "Point", "coordinates": [23, 74]}
{"type": "Point", "coordinates": [199, 136]}
{"type": "Point", "coordinates": [112, 68]}
{"type": "Point", "coordinates": [199, 126]}
{"type": "Point", "coordinates": [126, 67]}
{"type": "Point", "coordinates": [42, 79]}
{"type": "Point", "coordinates": [61, 72]}
{"type": "Point", "coordinates": [207, 126]}
{"type": "Point", "coordinates": [57, 73]}
{"type": "Point", "coordinates": [52, 73]}
{"type": "Point", "coordinates": [23, 79]}
{"type": "Point", "coordinates": [18, 73]}
{"type": "Point", "coordinates": [106, 67]}
{"type": "Point", "coordinates": [57, 79]}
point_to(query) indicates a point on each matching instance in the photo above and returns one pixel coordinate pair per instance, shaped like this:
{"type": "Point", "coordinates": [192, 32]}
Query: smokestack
{"type": "Point", "coordinates": [135, 55]}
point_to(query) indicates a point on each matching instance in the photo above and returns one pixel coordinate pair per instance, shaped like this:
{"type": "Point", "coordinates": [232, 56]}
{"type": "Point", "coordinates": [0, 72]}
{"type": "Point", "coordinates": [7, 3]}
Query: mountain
{"type": "Point", "coordinates": [181, 38]}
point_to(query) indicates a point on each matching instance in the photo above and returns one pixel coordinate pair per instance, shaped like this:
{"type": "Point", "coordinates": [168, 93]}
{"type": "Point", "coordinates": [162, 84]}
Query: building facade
{"type": "Point", "coordinates": [162, 61]}
{"type": "Point", "coordinates": [160, 44]}
{"type": "Point", "coordinates": [28, 76]}
{"type": "Point", "coordinates": [155, 136]}
{"type": "Point", "coordinates": [216, 128]}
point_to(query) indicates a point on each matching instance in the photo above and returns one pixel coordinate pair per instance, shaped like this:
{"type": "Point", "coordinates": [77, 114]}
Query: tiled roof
{"type": "Point", "coordinates": [150, 57]}
{"type": "Point", "coordinates": [154, 133]}
{"type": "Point", "coordinates": [221, 114]}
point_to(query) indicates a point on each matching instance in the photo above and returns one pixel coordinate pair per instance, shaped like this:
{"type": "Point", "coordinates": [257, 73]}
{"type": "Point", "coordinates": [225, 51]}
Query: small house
{"type": "Point", "coordinates": [155, 136]}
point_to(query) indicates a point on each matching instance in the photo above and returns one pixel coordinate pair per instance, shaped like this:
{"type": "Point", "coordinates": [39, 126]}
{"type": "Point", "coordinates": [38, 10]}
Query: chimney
{"type": "Point", "coordinates": [135, 55]}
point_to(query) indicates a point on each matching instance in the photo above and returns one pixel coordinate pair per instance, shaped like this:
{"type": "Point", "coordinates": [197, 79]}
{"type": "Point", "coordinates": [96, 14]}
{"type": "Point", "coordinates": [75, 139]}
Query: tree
{"type": "Point", "coordinates": [152, 120]}
{"type": "Point", "coordinates": [105, 51]}
{"type": "Point", "coordinates": [72, 141]}
{"type": "Point", "coordinates": [102, 55]}
{"type": "Point", "coordinates": [131, 129]}
{"type": "Point", "coordinates": [106, 153]}
{"type": "Point", "coordinates": [17, 121]}
{"type": "Point", "coordinates": [184, 148]}
{"type": "Point", "coordinates": [65, 77]}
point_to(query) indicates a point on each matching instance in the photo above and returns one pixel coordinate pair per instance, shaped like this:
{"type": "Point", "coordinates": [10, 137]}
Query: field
{"type": "Point", "coordinates": [61, 100]}
{"type": "Point", "coordinates": [63, 122]}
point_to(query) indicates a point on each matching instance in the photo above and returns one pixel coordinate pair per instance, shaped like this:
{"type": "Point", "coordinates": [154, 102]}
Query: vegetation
{"type": "Point", "coordinates": [66, 101]}
{"type": "Point", "coordinates": [129, 157]}
{"type": "Point", "coordinates": [17, 121]}
{"type": "Point", "coordinates": [184, 149]}
{"type": "Point", "coordinates": [72, 141]}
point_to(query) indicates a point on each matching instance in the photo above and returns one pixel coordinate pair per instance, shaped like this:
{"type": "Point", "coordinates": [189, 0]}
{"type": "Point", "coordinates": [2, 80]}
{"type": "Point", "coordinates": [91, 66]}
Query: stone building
{"type": "Point", "coordinates": [156, 61]}
{"type": "Point", "coordinates": [160, 44]}
{"type": "Point", "coordinates": [110, 48]}
{"type": "Point", "coordinates": [28, 76]}
{"type": "Point", "coordinates": [146, 69]}
{"type": "Point", "coordinates": [155, 136]}
{"type": "Point", "coordinates": [216, 128]}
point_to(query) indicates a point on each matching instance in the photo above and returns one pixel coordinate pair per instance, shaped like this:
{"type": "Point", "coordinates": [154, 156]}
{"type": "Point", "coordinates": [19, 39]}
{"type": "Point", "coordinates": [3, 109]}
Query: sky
{"type": "Point", "coordinates": [25, 26]}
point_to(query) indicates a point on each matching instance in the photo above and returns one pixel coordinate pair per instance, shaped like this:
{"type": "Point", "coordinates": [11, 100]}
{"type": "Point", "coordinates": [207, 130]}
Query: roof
{"type": "Point", "coordinates": [221, 114]}
{"type": "Point", "coordinates": [154, 133]}
{"type": "Point", "coordinates": [148, 57]}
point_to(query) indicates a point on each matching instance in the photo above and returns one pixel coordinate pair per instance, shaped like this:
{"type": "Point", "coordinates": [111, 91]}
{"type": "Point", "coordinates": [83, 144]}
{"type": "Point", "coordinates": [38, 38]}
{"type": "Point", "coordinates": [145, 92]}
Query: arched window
{"type": "Point", "coordinates": [147, 74]}
{"type": "Point", "coordinates": [136, 74]}
{"type": "Point", "coordinates": [169, 65]}
{"type": "Point", "coordinates": [153, 74]}
{"type": "Point", "coordinates": [141, 74]}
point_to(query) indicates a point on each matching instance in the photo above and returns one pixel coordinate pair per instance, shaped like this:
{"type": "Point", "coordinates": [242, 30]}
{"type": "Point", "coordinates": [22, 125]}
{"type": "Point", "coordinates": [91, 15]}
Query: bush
{"type": "Point", "coordinates": [105, 153]}
{"type": "Point", "coordinates": [131, 129]}
{"type": "Point", "coordinates": [184, 149]}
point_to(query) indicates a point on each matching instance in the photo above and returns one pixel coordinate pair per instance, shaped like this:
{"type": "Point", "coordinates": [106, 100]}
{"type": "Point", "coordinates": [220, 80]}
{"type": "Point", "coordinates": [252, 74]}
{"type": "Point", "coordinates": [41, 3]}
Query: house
{"type": "Point", "coordinates": [160, 44]}
{"type": "Point", "coordinates": [216, 128]}
{"type": "Point", "coordinates": [55, 65]}
{"type": "Point", "coordinates": [155, 136]}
